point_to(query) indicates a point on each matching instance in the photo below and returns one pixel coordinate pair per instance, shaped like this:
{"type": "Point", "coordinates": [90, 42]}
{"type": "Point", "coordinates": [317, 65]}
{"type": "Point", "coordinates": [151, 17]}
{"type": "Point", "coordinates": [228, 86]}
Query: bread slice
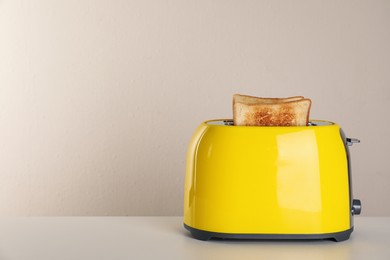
{"type": "Point", "coordinates": [285, 113]}
{"type": "Point", "coordinates": [258, 100]}
{"type": "Point", "coordinates": [245, 99]}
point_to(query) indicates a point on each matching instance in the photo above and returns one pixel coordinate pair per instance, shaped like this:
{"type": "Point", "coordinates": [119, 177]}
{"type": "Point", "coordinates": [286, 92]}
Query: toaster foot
{"type": "Point", "coordinates": [199, 234]}
{"type": "Point", "coordinates": [342, 236]}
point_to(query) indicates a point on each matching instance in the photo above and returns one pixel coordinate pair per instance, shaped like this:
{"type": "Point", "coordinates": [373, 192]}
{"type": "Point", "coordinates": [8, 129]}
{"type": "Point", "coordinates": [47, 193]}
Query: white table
{"type": "Point", "coordinates": [113, 238]}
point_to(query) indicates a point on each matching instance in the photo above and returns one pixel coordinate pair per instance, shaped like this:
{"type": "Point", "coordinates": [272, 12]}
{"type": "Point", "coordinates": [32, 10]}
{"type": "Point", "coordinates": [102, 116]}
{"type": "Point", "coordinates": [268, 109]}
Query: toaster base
{"type": "Point", "coordinates": [207, 235]}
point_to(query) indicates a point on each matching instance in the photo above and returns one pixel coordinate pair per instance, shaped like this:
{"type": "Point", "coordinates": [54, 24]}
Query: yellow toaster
{"type": "Point", "coordinates": [253, 182]}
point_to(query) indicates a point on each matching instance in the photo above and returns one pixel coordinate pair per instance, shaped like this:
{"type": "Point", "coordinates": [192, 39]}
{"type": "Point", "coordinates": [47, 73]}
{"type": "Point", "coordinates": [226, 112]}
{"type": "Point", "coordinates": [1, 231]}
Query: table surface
{"type": "Point", "coordinates": [165, 238]}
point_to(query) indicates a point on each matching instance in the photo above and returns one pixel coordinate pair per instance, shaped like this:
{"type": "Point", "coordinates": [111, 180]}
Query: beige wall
{"type": "Point", "coordinates": [98, 99]}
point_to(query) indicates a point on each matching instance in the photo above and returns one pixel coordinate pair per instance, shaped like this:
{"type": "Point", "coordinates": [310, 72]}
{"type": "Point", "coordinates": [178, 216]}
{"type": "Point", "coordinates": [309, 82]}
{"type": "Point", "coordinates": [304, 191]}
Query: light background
{"type": "Point", "coordinates": [98, 99]}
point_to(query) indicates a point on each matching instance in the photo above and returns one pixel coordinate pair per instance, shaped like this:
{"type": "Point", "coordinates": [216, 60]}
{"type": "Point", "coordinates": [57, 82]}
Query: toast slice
{"type": "Point", "coordinates": [245, 99]}
{"type": "Point", "coordinates": [286, 113]}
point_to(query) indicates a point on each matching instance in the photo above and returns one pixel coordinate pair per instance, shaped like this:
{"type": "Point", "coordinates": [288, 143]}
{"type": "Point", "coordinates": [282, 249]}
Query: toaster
{"type": "Point", "coordinates": [272, 182]}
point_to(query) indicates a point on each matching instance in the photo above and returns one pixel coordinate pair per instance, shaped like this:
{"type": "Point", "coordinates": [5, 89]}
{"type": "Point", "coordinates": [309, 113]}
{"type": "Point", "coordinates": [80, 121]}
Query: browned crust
{"type": "Point", "coordinates": [308, 112]}
{"type": "Point", "coordinates": [234, 111]}
{"type": "Point", "coordinates": [273, 99]}
{"type": "Point", "coordinates": [270, 104]}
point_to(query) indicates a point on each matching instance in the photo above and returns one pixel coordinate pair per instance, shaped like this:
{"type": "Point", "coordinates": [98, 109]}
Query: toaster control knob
{"type": "Point", "coordinates": [356, 207]}
{"type": "Point", "coordinates": [351, 141]}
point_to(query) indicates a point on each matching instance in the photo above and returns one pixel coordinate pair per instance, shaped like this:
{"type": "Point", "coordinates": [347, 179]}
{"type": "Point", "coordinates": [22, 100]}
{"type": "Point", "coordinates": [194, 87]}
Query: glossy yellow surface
{"type": "Point", "coordinates": [267, 180]}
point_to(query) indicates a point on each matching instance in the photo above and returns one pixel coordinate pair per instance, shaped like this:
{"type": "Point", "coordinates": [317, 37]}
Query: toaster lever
{"type": "Point", "coordinates": [356, 207]}
{"type": "Point", "coordinates": [351, 141]}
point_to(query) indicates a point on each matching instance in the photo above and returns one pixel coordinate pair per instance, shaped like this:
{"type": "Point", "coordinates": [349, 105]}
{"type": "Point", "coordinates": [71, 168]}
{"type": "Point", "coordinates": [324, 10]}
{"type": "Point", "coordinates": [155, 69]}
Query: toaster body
{"type": "Point", "coordinates": [269, 182]}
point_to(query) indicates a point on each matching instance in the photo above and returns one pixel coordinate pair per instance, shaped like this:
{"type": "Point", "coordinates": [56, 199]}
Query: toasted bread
{"type": "Point", "coordinates": [290, 113]}
{"type": "Point", "coordinates": [245, 99]}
